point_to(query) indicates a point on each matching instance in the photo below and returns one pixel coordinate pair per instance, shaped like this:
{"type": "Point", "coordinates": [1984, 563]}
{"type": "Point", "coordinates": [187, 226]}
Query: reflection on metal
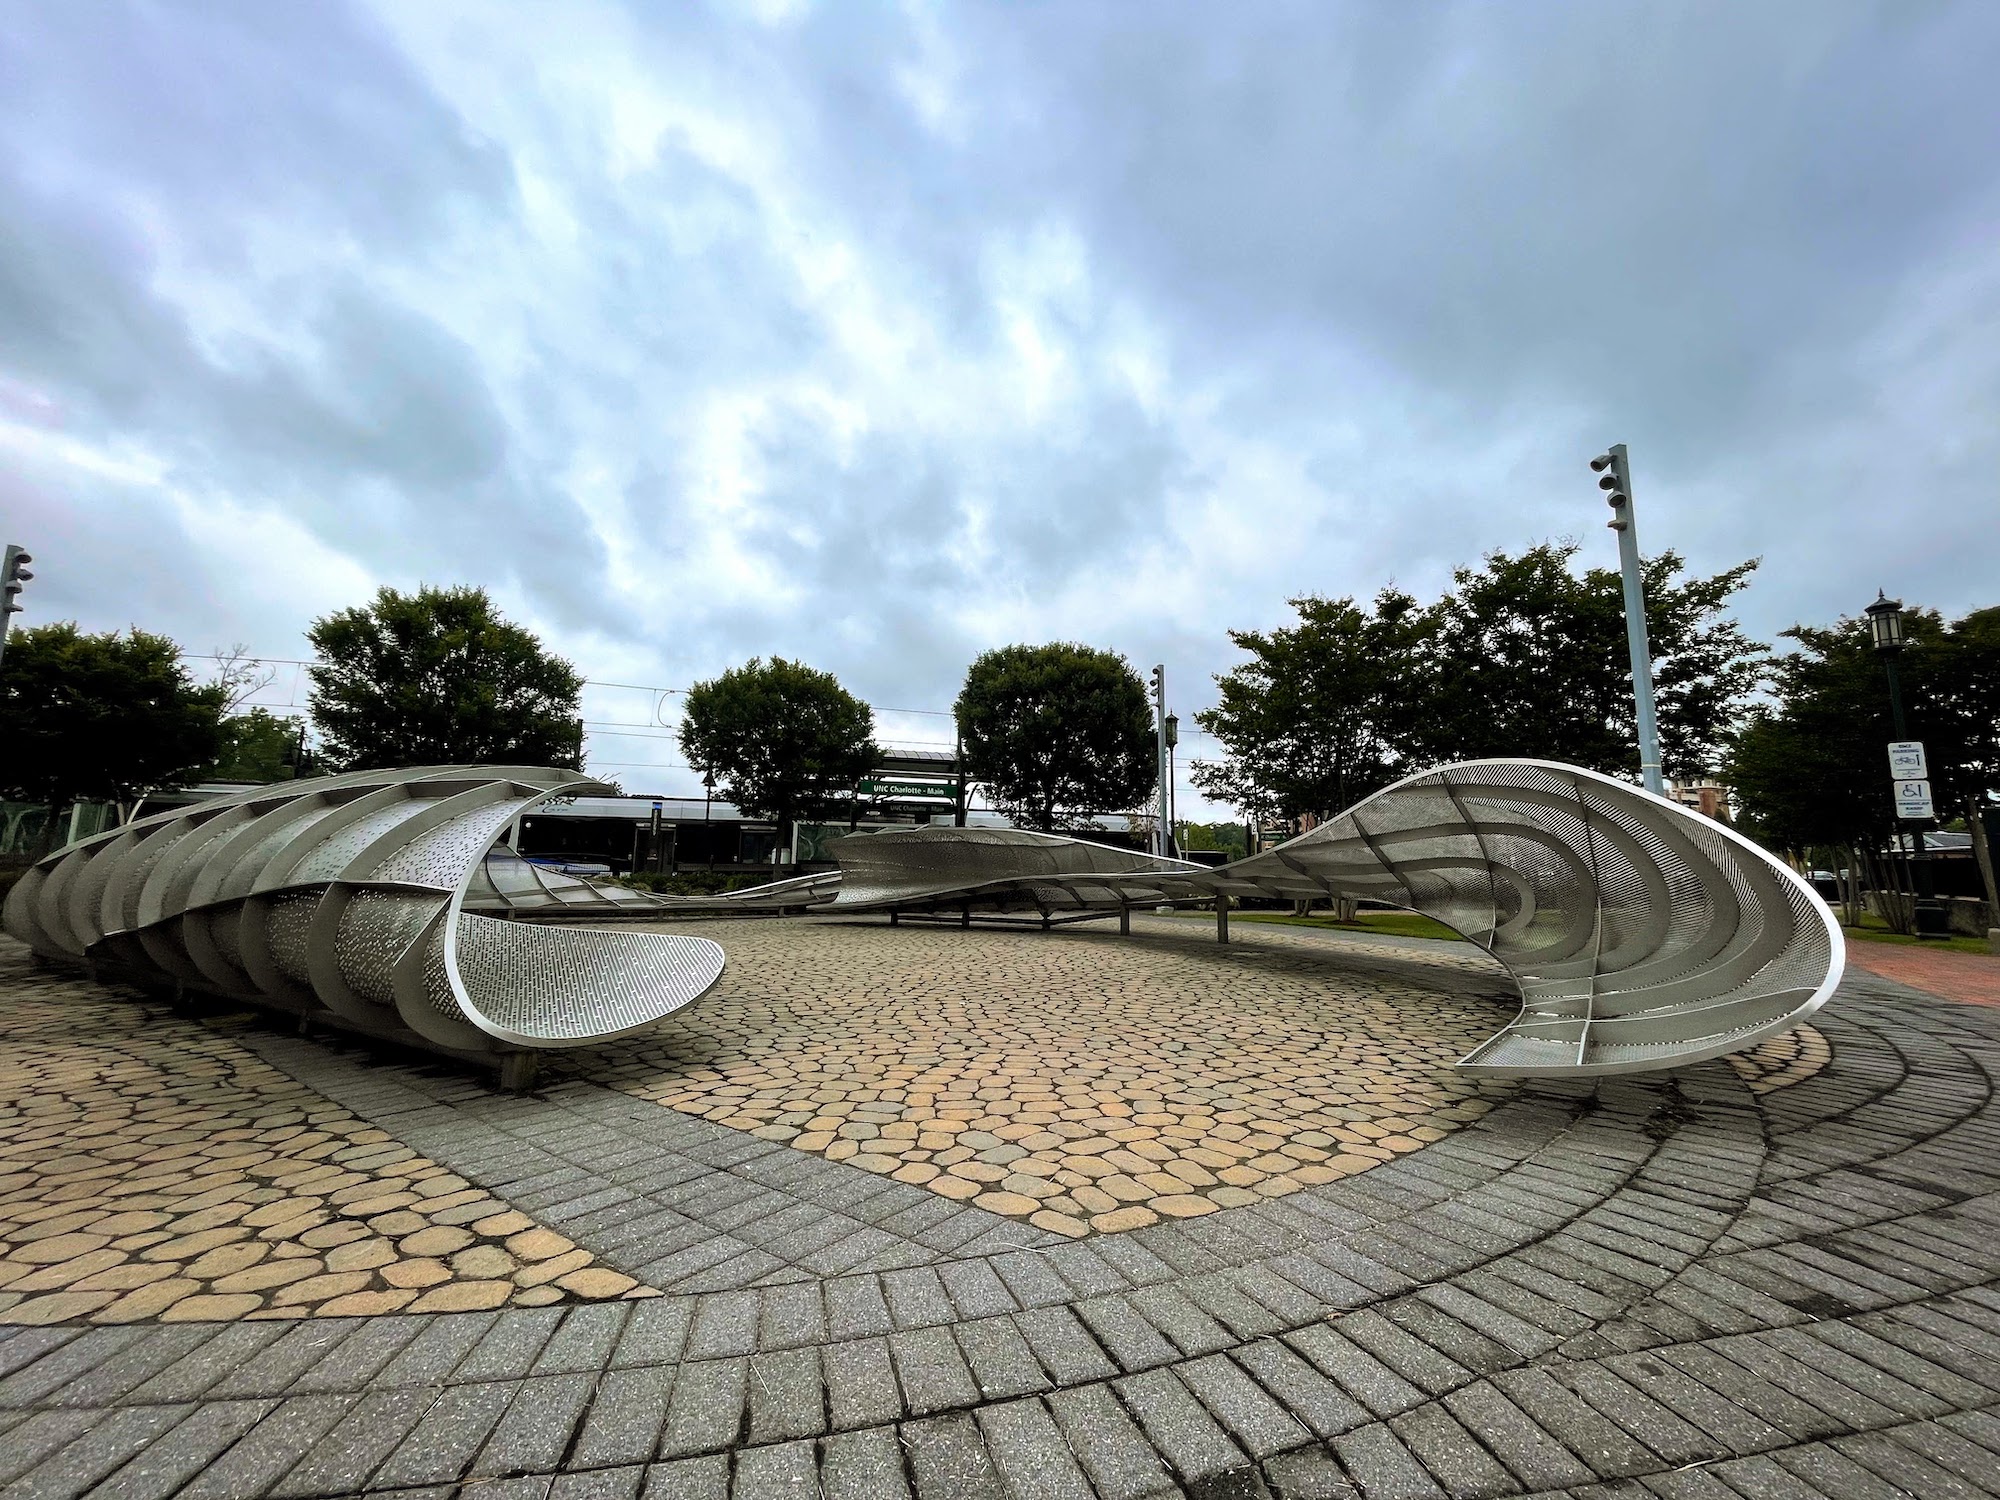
{"type": "Point", "coordinates": [1640, 935]}
{"type": "Point", "coordinates": [346, 898]}
{"type": "Point", "coordinates": [507, 885]}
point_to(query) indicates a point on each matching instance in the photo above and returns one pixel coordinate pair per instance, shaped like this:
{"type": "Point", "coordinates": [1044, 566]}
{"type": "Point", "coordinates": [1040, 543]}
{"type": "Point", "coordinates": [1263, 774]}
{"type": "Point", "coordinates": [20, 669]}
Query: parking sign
{"type": "Point", "coordinates": [1906, 760]}
{"type": "Point", "coordinates": [1913, 799]}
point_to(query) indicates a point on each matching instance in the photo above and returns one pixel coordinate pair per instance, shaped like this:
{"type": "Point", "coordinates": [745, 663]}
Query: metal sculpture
{"type": "Point", "coordinates": [344, 898]}
{"type": "Point", "coordinates": [1640, 935]}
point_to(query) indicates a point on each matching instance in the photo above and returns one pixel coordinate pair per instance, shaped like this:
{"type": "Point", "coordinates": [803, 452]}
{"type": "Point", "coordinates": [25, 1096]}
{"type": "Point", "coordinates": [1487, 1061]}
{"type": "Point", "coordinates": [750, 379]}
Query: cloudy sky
{"type": "Point", "coordinates": [876, 335]}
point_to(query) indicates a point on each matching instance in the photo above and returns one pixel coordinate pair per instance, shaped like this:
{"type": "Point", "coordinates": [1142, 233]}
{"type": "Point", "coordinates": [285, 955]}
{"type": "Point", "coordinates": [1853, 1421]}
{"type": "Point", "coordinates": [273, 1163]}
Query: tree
{"type": "Point", "coordinates": [257, 746]}
{"type": "Point", "coordinates": [1809, 770]}
{"type": "Point", "coordinates": [437, 677]}
{"type": "Point", "coordinates": [1057, 732]}
{"type": "Point", "coordinates": [1229, 839]}
{"type": "Point", "coordinates": [107, 717]}
{"type": "Point", "coordinates": [781, 741]}
{"type": "Point", "coordinates": [1524, 658]}
{"type": "Point", "coordinates": [1320, 716]}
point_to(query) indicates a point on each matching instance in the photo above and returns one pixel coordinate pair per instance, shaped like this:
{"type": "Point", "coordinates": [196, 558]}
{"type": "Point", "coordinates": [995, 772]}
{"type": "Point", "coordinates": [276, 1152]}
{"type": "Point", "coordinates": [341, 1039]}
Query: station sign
{"type": "Point", "coordinates": [1906, 760]}
{"type": "Point", "coordinates": [945, 791]}
{"type": "Point", "coordinates": [1913, 799]}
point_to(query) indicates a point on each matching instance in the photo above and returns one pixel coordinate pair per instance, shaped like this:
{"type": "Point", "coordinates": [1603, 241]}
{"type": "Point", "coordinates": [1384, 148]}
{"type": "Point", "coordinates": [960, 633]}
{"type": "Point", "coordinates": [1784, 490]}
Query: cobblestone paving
{"type": "Point", "coordinates": [1076, 1080]}
{"type": "Point", "coordinates": [151, 1168]}
{"type": "Point", "coordinates": [1672, 1287]}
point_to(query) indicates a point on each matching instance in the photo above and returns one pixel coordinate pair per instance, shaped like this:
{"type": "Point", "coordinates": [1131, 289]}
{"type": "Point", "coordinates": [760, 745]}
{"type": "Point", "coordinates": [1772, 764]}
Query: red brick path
{"type": "Point", "coordinates": [1970, 977]}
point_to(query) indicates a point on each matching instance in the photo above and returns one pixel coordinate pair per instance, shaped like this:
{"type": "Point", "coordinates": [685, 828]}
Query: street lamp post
{"type": "Point", "coordinates": [1615, 479]}
{"type": "Point", "coordinates": [1173, 739]}
{"type": "Point", "coordinates": [1885, 625]}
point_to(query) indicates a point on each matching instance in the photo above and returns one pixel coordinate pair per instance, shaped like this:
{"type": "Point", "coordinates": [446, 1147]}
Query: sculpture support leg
{"type": "Point", "coordinates": [517, 1071]}
{"type": "Point", "coordinates": [1124, 921]}
{"type": "Point", "coordinates": [1222, 919]}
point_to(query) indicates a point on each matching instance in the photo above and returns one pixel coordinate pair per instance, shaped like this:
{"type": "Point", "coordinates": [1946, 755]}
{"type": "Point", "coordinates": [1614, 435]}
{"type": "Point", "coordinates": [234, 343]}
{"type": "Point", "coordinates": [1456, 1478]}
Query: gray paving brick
{"type": "Point", "coordinates": [1356, 1371]}
{"type": "Point", "coordinates": [511, 1346]}
{"type": "Point", "coordinates": [725, 1324]}
{"type": "Point", "coordinates": [705, 1410]}
{"type": "Point", "coordinates": [1449, 1454]}
{"type": "Point", "coordinates": [1259, 1424]}
{"type": "Point", "coordinates": [783, 1469]}
{"type": "Point", "coordinates": [1307, 1394]}
{"type": "Point", "coordinates": [1032, 1283]}
{"type": "Point", "coordinates": [863, 1465]}
{"type": "Point", "coordinates": [791, 1316]}
{"type": "Point", "coordinates": [296, 1351]}
{"type": "Point", "coordinates": [436, 1353]}
{"type": "Point", "coordinates": [976, 1290]}
{"type": "Point", "coordinates": [932, 1372]}
{"type": "Point", "coordinates": [1132, 1342]}
{"type": "Point", "coordinates": [441, 1446]}
{"type": "Point", "coordinates": [1002, 1364]}
{"type": "Point", "coordinates": [1606, 1448]}
{"type": "Point", "coordinates": [1383, 1467]}
{"type": "Point", "coordinates": [1064, 1345]}
{"type": "Point", "coordinates": [40, 1434]}
{"type": "Point", "coordinates": [856, 1309]}
{"type": "Point", "coordinates": [226, 1349]}
{"type": "Point", "coordinates": [1121, 1463]}
{"type": "Point", "coordinates": [787, 1399]}
{"type": "Point", "coordinates": [341, 1461]}
{"type": "Point", "coordinates": [270, 1449]}
{"type": "Point", "coordinates": [599, 1484]}
{"type": "Point", "coordinates": [626, 1414]}
{"type": "Point", "coordinates": [103, 1447]}
{"type": "Point", "coordinates": [536, 1431]}
{"type": "Point", "coordinates": [1185, 1434]}
{"type": "Point", "coordinates": [1537, 1459]}
{"type": "Point", "coordinates": [949, 1461]}
{"type": "Point", "coordinates": [584, 1340]}
{"type": "Point", "coordinates": [704, 1478]}
{"type": "Point", "coordinates": [1030, 1453]}
{"type": "Point", "coordinates": [166, 1464]}
{"type": "Point", "coordinates": [860, 1384]}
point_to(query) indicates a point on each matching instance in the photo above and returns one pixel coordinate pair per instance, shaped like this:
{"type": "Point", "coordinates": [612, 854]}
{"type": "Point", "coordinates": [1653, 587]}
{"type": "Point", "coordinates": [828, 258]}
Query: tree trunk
{"type": "Point", "coordinates": [1975, 822]}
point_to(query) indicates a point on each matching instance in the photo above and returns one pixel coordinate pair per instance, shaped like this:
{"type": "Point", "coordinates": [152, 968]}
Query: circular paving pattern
{"type": "Point", "coordinates": [151, 1168]}
{"type": "Point", "coordinates": [1075, 1079]}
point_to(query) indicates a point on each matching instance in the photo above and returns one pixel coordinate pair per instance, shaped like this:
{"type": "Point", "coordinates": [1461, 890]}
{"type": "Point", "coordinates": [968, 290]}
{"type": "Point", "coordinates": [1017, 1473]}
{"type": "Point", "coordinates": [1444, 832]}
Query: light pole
{"type": "Point", "coordinates": [13, 573]}
{"type": "Point", "coordinates": [1885, 625]}
{"type": "Point", "coordinates": [1616, 482]}
{"type": "Point", "coordinates": [1160, 751]}
{"type": "Point", "coordinates": [707, 800]}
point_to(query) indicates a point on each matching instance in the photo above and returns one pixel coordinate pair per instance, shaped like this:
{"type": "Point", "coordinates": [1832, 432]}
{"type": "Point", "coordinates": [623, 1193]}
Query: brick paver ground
{"type": "Point", "coordinates": [1970, 977]}
{"type": "Point", "coordinates": [1677, 1286]}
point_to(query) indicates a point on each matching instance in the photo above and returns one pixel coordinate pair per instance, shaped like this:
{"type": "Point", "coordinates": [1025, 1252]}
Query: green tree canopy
{"type": "Point", "coordinates": [1057, 732]}
{"type": "Point", "coordinates": [781, 740]}
{"type": "Point", "coordinates": [1319, 716]}
{"type": "Point", "coordinates": [1811, 768]}
{"type": "Point", "coordinates": [438, 677]}
{"type": "Point", "coordinates": [1521, 657]}
{"type": "Point", "coordinates": [257, 746]}
{"type": "Point", "coordinates": [1525, 658]}
{"type": "Point", "coordinates": [109, 716]}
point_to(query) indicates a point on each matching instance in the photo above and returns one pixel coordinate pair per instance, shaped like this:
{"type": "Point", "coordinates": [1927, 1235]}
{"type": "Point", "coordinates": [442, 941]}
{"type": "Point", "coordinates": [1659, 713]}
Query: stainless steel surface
{"type": "Point", "coordinates": [345, 897]}
{"type": "Point", "coordinates": [1640, 935]}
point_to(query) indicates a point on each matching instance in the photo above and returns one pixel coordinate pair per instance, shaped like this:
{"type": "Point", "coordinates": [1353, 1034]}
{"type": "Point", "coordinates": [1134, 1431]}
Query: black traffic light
{"type": "Point", "coordinates": [12, 575]}
{"type": "Point", "coordinates": [1616, 482]}
{"type": "Point", "coordinates": [1159, 684]}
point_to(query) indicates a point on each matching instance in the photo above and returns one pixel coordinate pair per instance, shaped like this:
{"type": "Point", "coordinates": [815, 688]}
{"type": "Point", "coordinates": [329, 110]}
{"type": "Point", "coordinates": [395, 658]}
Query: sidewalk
{"type": "Point", "coordinates": [1971, 978]}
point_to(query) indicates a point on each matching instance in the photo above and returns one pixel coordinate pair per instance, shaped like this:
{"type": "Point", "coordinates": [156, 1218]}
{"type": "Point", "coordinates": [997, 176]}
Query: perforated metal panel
{"type": "Point", "coordinates": [328, 893]}
{"type": "Point", "coordinates": [1640, 935]}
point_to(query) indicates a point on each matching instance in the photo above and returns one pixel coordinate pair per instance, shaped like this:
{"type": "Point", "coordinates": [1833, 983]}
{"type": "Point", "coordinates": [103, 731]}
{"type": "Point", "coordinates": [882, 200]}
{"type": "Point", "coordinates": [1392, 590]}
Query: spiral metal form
{"type": "Point", "coordinates": [344, 898]}
{"type": "Point", "coordinates": [1640, 935]}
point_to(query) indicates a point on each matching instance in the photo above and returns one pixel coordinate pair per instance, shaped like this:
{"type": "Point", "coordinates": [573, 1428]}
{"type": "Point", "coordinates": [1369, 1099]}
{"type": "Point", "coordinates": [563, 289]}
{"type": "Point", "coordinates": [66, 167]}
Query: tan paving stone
{"type": "Point", "coordinates": [155, 1169]}
{"type": "Point", "coordinates": [463, 1296]}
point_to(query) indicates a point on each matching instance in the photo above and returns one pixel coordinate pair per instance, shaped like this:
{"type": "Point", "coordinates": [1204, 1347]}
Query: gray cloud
{"type": "Point", "coordinates": [878, 336]}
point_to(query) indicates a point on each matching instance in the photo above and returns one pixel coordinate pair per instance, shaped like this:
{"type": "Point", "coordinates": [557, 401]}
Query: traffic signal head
{"type": "Point", "coordinates": [13, 574]}
{"type": "Point", "coordinates": [1612, 478]}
